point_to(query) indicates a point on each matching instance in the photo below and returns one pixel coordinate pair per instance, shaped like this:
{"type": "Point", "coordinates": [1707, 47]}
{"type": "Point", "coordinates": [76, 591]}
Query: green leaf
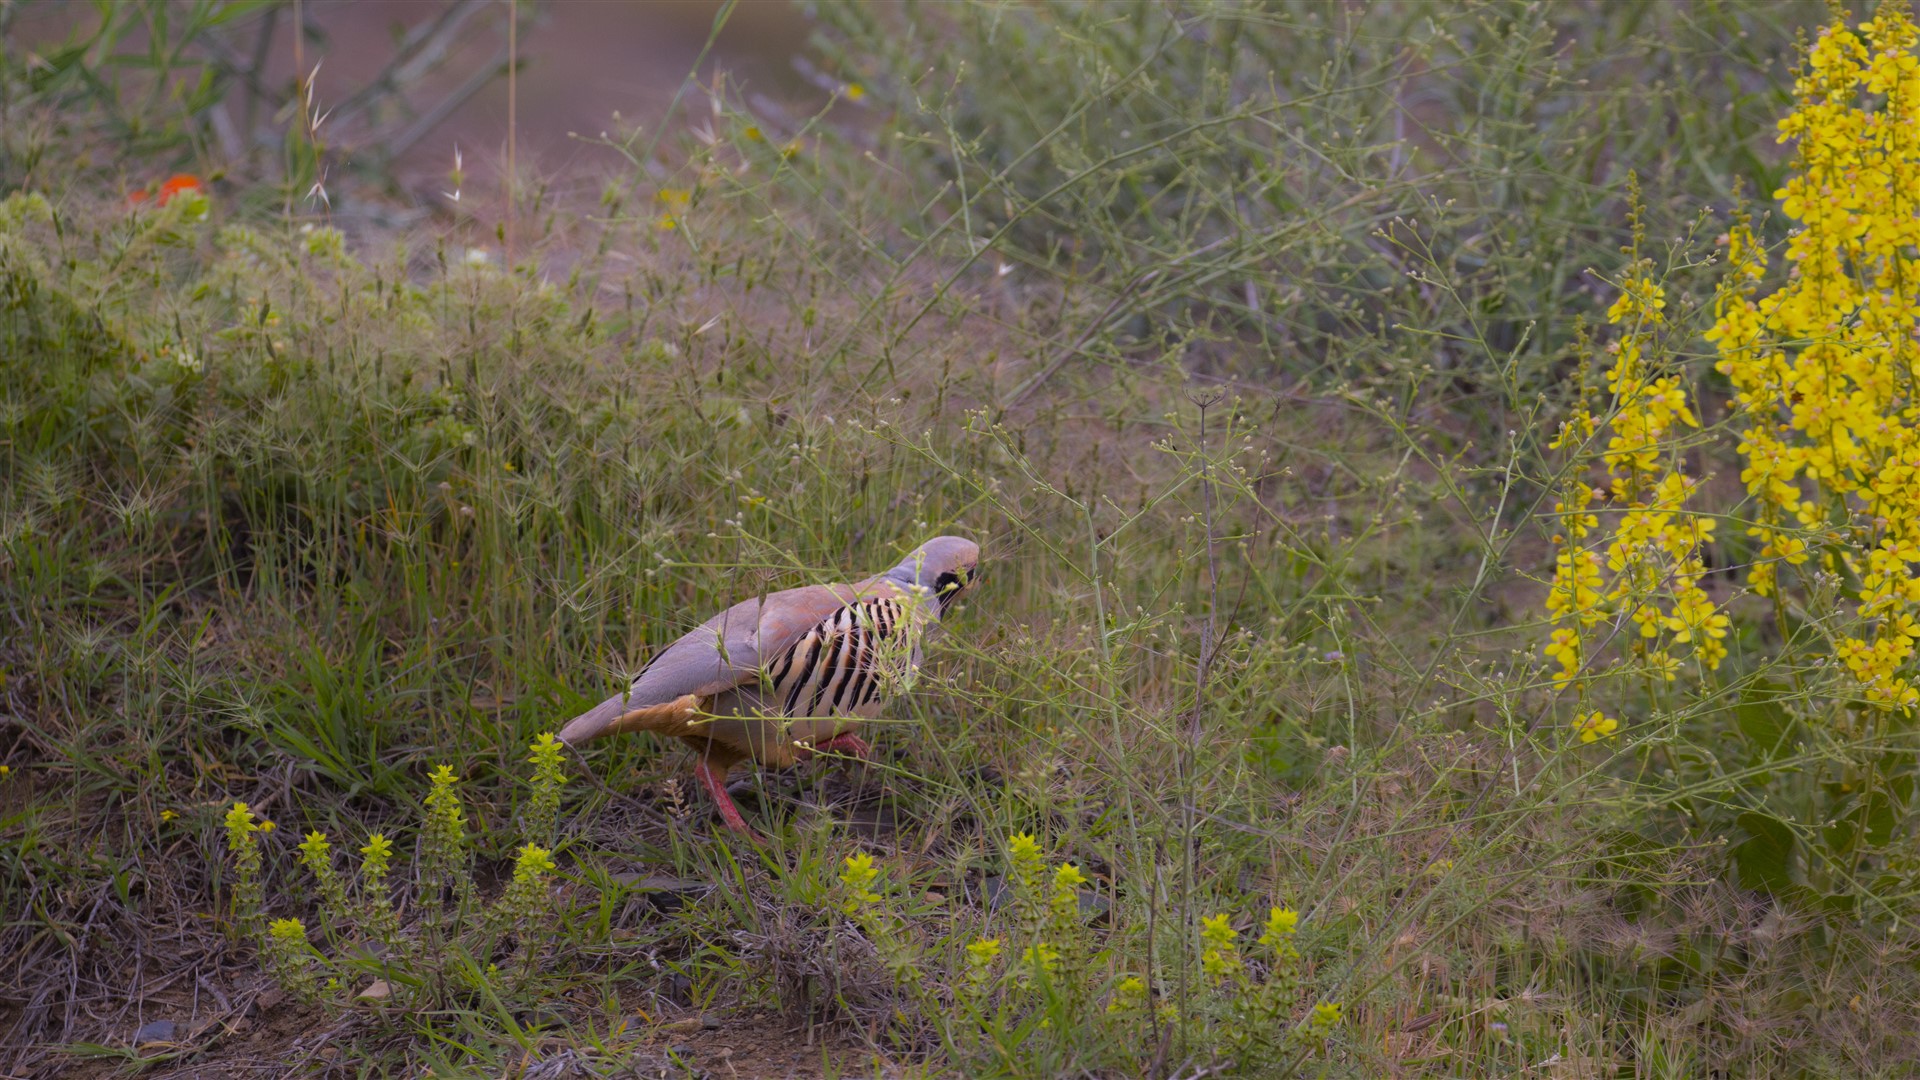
{"type": "Point", "coordinates": [1765, 860]}
{"type": "Point", "coordinates": [1763, 721]}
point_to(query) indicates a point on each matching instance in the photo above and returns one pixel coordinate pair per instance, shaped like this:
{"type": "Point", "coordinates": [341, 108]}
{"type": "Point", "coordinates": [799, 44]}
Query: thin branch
{"type": "Point", "coordinates": [433, 117]}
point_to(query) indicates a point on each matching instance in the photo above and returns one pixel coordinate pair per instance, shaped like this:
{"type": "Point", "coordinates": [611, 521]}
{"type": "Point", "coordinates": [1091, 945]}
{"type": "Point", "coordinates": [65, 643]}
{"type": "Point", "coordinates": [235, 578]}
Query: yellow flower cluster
{"type": "Point", "coordinates": [523, 906]}
{"type": "Point", "coordinates": [981, 956]}
{"type": "Point", "coordinates": [857, 878]}
{"type": "Point", "coordinates": [1219, 956]}
{"type": "Point", "coordinates": [1824, 369]}
{"type": "Point", "coordinates": [317, 854]}
{"type": "Point", "coordinates": [375, 858]}
{"type": "Point", "coordinates": [244, 845]}
{"type": "Point", "coordinates": [543, 808]}
{"type": "Point", "coordinates": [1655, 550]}
{"type": "Point", "coordinates": [1129, 996]}
{"type": "Point", "coordinates": [1649, 571]}
{"type": "Point", "coordinates": [290, 957]}
{"type": "Point", "coordinates": [1282, 923]}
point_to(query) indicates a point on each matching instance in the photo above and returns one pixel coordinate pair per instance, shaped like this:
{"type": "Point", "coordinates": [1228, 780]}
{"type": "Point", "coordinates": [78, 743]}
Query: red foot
{"type": "Point", "coordinates": [715, 781]}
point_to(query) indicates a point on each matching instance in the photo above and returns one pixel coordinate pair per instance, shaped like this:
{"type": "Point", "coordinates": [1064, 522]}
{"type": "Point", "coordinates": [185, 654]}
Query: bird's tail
{"type": "Point", "coordinates": [681, 716]}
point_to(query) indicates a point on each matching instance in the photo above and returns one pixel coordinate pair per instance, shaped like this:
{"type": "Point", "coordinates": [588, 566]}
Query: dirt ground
{"type": "Point", "coordinates": [270, 1036]}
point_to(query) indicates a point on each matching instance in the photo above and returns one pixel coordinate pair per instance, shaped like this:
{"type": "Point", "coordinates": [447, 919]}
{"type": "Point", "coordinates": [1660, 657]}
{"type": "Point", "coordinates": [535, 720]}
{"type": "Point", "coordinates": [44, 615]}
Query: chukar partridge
{"type": "Point", "coordinates": [781, 677]}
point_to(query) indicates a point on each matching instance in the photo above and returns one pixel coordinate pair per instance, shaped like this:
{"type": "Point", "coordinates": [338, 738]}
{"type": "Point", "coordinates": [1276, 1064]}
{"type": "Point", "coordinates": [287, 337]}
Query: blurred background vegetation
{"type": "Point", "coordinates": [1237, 334]}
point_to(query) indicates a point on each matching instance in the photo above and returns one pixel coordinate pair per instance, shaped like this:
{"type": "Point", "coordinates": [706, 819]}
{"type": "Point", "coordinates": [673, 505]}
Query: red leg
{"type": "Point", "coordinates": [845, 744]}
{"type": "Point", "coordinates": [715, 781]}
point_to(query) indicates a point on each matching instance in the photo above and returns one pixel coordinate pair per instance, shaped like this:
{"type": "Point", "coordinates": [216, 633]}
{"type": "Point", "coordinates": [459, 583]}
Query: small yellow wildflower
{"type": "Point", "coordinates": [168, 815]}
{"type": "Point", "coordinates": [981, 956]}
{"type": "Point", "coordinates": [543, 808]}
{"type": "Point", "coordinates": [290, 957]}
{"type": "Point", "coordinates": [1042, 957]}
{"type": "Point", "coordinates": [1065, 901]}
{"type": "Point", "coordinates": [1129, 995]}
{"type": "Point", "coordinates": [1595, 725]}
{"type": "Point", "coordinates": [315, 847]}
{"type": "Point", "coordinates": [1277, 935]}
{"type": "Point", "coordinates": [858, 879]}
{"type": "Point", "coordinates": [533, 862]}
{"type": "Point", "coordinates": [240, 826]}
{"type": "Point", "coordinates": [378, 854]}
{"type": "Point", "coordinates": [856, 92]}
{"type": "Point", "coordinates": [1023, 851]}
{"type": "Point", "coordinates": [1325, 1017]}
{"type": "Point", "coordinates": [1219, 956]}
{"type": "Point", "coordinates": [983, 952]}
{"type": "Point", "coordinates": [674, 202]}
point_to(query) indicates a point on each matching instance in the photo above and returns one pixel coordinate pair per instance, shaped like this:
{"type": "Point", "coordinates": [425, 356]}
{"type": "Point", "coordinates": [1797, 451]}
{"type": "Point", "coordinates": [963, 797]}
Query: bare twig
{"type": "Point", "coordinates": [513, 116]}
{"type": "Point", "coordinates": [432, 118]}
{"type": "Point", "coordinates": [1203, 665]}
{"type": "Point", "coordinates": [1068, 353]}
{"type": "Point", "coordinates": [422, 50]}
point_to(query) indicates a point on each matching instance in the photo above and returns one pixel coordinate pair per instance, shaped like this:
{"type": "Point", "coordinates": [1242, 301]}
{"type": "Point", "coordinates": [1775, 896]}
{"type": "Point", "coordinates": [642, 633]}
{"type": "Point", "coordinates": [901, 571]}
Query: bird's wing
{"type": "Point", "coordinates": [724, 652]}
{"type": "Point", "coordinates": [729, 649]}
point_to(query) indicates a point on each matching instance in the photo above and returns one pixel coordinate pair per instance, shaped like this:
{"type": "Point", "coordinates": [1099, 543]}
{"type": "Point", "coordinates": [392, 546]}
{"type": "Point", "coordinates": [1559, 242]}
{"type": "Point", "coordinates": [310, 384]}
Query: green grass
{"type": "Point", "coordinates": [1252, 429]}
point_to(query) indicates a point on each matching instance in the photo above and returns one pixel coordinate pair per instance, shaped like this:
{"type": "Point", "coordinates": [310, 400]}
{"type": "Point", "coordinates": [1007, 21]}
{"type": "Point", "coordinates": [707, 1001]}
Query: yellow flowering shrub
{"type": "Point", "coordinates": [1644, 571]}
{"type": "Point", "coordinates": [1824, 368]}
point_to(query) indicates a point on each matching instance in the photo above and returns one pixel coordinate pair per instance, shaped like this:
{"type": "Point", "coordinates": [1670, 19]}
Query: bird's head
{"type": "Point", "coordinates": [945, 565]}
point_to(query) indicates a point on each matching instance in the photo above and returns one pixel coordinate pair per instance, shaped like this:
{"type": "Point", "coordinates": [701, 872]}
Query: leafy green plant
{"type": "Point", "coordinates": [457, 945]}
{"type": "Point", "coordinates": [1043, 993]}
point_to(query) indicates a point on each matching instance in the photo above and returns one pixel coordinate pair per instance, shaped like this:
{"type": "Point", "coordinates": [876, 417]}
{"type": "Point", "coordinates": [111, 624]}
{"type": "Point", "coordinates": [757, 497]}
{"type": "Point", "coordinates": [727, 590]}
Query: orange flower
{"type": "Point", "coordinates": [175, 185]}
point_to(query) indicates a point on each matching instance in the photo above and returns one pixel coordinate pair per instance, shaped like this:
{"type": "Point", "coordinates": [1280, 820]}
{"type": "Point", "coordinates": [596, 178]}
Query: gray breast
{"type": "Point", "coordinates": [848, 660]}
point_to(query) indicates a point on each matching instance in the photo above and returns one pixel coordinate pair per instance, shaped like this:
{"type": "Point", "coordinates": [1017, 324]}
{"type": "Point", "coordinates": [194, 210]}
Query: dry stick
{"type": "Point", "coordinates": [1092, 328]}
{"type": "Point", "coordinates": [420, 51]}
{"type": "Point", "coordinates": [1161, 1038]}
{"type": "Point", "coordinates": [431, 119]}
{"type": "Point", "coordinates": [299, 84]}
{"type": "Point", "coordinates": [1203, 664]}
{"type": "Point", "coordinates": [513, 113]}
